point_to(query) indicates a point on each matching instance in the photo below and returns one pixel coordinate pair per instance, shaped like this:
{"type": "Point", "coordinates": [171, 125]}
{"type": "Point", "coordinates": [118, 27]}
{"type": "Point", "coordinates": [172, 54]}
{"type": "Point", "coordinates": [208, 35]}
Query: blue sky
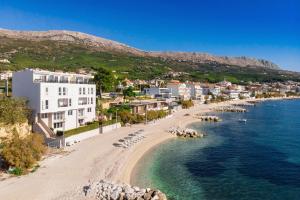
{"type": "Point", "coordinates": [267, 29]}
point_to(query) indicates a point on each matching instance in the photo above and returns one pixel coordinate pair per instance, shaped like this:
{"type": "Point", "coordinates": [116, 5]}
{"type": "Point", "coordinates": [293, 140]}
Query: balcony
{"type": "Point", "coordinates": [78, 81]}
{"type": "Point", "coordinates": [62, 102]}
{"type": "Point", "coordinates": [58, 117]}
{"type": "Point", "coordinates": [82, 101]}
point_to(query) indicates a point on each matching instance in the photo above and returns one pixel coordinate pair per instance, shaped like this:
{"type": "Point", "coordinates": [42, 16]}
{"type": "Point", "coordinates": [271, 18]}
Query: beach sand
{"type": "Point", "coordinates": [95, 159]}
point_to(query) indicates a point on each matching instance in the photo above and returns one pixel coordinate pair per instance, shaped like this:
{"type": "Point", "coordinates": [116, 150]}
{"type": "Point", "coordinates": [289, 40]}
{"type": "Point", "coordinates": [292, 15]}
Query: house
{"type": "Point", "coordinates": [179, 90]}
{"type": "Point", "coordinates": [205, 89]}
{"type": "Point", "coordinates": [233, 94]}
{"type": "Point", "coordinates": [245, 94]}
{"type": "Point", "coordinates": [157, 92]}
{"type": "Point", "coordinates": [216, 90]}
{"type": "Point", "coordinates": [224, 84]}
{"type": "Point", "coordinates": [196, 90]}
{"type": "Point", "coordinates": [128, 83]}
{"type": "Point", "coordinates": [156, 82]}
{"type": "Point", "coordinates": [6, 75]}
{"type": "Point", "coordinates": [255, 88]}
{"type": "Point", "coordinates": [143, 106]}
{"type": "Point", "coordinates": [59, 101]}
{"type": "Point", "coordinates": [297, 89]}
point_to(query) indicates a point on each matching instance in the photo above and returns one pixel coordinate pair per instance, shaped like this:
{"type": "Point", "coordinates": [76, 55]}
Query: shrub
{"type": "Point", "coordinates": [15, 171]}
{"type": "Point", "coordinates": [22, 153]}
{"type": "Point", "coordinates": [187, 104]}
{"type": "Point", "coordinates": [152, 114]}
{"type": "Point", "coordinates": [139, 118]}
{"type": "Point", "coordinates": [126, 117]}
{"type": "Point", "coordinates": [13, 111]}
{"type": "Point", "coordinates": [162, 114]}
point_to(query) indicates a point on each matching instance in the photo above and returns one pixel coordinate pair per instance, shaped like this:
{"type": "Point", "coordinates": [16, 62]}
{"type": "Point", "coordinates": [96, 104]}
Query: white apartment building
{"type": "Point", "coordinates": [196, 90]}
{"type": "Point", "coordinates": [60, 101]}
{"type": "Point", "coordinates": [216, 90]}
{"type": "Point", "coordinates": [179, 90]}
{"type": "Point", "coordinates": [233, 94]}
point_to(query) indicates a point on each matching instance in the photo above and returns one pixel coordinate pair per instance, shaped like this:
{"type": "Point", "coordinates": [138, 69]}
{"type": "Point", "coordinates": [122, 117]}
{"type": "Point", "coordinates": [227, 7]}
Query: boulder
{"type": "Point", "coordinates": [115, 195]}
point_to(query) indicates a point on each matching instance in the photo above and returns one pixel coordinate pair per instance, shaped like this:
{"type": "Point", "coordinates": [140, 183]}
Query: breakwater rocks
{"type": "Point", "coordinates": [106, 190]}
{"type": "Point", "coordinates": [244, 104]}
{"type": "Point", "coordinates": [186, 133]}
{"type": "Point", "coordinates": [230, 109]}
{"type": "Point", "coordinates": [208, 118]}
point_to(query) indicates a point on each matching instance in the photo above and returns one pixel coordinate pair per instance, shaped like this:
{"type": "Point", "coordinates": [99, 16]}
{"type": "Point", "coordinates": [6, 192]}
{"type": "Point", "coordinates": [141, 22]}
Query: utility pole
{"type": "Point", "coordinates": [116, 116]}
{"type": "Point", "coordinates": [146, 115]}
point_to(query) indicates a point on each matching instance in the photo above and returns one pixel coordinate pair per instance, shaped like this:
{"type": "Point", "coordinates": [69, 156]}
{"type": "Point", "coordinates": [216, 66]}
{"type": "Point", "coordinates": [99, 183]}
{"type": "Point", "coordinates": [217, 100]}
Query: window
{"type": "Point", "coordinates": [92, 90]}
{"type": "Point", "coordinates": [80, 90]}
{"type": "Point", "coordinates": [59, 91]}
{"type": "Point", "coordinates": [44, 115]}
{"type": "Point", "coordinates": [46, 90]}
{"type": "Point", "coordinates": [88, 90]}
{"type": "Point", "coordinates": [64, 91]}
{"type": "Point", "coordinates": [58, 116]}
{"type": "Point", "coordinates": [89, 109]}
{"type": "Point", "coordinates": [91, 100]}
{"type": "Point", "coordinates": [70, 112]}
{"type": "Point", "coordinates": [58, 125]}
{"type": "Point", "coordinates": [88, 100]}
{"type": "Point", "coordinates": [80, 112]}
{"type": "Point", "coordinates": [46, 104]}
{"type": "Point", "coordinates": [83, 90]}
{"type": "Point", "coordinates": [70, 102]}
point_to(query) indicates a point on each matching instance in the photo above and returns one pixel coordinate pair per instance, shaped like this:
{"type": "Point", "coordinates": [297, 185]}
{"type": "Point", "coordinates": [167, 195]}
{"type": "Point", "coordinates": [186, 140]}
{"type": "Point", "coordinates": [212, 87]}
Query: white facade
{"type": "Point", "coordinates": [179, 90]}
{"type": "Point", "coordinates": [233, 94]}
{"type": "Point", "coordinates": [5, 75]}
{"type": "Point", "coordinates": [62, 101]}
{"type": "Point", "coordinates": [196, 90]}
{"type": "Point", "coordinates": [157, 92]}
{"type": "Point", "coordinates": [245, 94]}
{"type": "Point", "coordinates": [215, 90]}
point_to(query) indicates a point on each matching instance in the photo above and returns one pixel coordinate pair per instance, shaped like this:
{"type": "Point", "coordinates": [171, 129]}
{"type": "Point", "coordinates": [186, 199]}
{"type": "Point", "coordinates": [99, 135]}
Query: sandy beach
{"type": "Point", "coordinates": [94, 159]}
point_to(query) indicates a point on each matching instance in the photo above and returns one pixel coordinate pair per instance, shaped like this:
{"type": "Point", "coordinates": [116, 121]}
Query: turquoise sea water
{"type": "Point", "coordinates": [236, 161]}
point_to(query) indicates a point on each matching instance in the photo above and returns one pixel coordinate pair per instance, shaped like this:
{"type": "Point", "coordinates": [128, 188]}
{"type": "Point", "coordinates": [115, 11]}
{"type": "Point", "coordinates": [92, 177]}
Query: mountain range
{"type": "Point", "coordinates": [69, 50]}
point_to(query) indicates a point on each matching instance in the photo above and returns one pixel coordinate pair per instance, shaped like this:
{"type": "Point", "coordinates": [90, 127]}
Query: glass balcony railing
{"type": "Point", "coordinates": [64, 81]}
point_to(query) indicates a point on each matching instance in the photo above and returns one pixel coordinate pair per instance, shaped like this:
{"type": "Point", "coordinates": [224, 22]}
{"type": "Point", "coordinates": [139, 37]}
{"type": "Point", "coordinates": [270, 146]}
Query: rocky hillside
{"type": "Point", "coordinates": [72, 37]}
{"type": "Point", "coordinates": [102, 44]}
{"type": "Point", "coordinates": [70, 51]}
{"type": "Point", "coordinates": [207, 58]}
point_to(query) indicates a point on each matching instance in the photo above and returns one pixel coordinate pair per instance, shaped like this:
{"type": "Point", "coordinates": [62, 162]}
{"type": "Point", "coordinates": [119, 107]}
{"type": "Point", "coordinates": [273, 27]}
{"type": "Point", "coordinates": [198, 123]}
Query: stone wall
{"type": "Point", "coordinates": [88, 134]}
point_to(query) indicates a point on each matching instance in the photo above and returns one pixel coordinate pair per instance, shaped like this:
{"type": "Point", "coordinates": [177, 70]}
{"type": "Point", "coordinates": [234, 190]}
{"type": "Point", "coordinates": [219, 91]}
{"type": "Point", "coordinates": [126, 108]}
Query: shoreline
{"type": "Point", "coordinates": [128, 173]}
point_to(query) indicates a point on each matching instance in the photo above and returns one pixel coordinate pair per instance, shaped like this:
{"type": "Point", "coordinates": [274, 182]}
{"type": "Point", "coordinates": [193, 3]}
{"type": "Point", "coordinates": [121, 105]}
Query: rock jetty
{"type": "Point", "coordinates": [243, 104]}
{"type": "Point", "coordinates": [230, 109]}
{"type": "Point", "coordinates": [186, 133]}
{"type": "Point", "coordinates": [105, 190]}
{"type": "Point", "coordinates": [208, 118]}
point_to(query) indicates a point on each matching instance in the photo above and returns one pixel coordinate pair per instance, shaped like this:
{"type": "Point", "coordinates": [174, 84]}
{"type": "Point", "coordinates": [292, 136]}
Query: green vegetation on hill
{"type": "Point", "coordinates": [54, 55]}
